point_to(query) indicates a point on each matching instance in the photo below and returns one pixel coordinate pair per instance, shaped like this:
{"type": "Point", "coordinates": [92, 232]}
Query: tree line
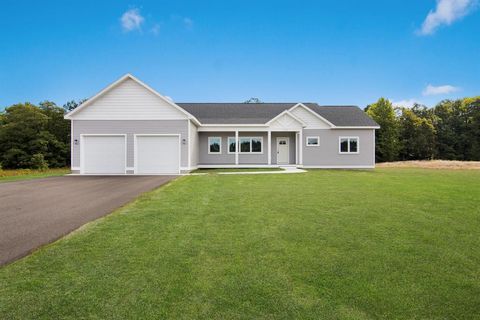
{"type": "Point", "coordinates": [448, 131]}
{"type": "Point", "coordinates": [37, 136]}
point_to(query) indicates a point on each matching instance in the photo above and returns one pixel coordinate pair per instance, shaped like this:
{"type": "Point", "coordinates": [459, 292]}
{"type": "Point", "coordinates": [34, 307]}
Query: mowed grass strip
{"type": "Point", "coordinates": [389, 243]}
{"type": "Point", "coordinates": [27, 174]}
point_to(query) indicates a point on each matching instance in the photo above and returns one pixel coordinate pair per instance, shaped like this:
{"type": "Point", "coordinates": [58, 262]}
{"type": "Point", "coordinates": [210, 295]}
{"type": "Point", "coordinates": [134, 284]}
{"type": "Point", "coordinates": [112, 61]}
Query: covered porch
{"type": "Point", "coordinates": [249, 148]}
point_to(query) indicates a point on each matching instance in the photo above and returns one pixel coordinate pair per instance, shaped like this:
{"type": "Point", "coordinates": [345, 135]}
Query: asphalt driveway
{"type": "Point", "coordinates": [37, 212]}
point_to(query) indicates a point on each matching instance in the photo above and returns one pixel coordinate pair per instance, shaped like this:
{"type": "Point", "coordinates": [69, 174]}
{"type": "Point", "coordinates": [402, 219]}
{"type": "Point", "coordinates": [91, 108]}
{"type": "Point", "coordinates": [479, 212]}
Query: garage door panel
{"type": "Point", "coordinates": [103, 155]}
{"type": "Point", "coordinates": [157, 154]}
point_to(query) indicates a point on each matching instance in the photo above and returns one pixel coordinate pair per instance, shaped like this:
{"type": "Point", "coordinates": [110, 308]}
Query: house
{"type": "Point", "coordinates": [129, 128]}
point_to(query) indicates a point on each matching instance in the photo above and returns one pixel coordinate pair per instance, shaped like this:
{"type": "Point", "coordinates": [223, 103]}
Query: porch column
{"type": "Point", "coordinates": [297, 148]}
{"type": "Point", "coordinates": [236, 147]}
{"type": "Point", "coordinates": [300, 145]}
{"type": "Point", "coordinates": [269, 147]}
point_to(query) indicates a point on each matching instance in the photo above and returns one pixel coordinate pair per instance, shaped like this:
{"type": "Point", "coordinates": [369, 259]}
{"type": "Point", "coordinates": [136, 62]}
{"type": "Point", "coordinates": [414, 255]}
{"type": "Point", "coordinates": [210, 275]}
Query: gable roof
{"type": "Point", "coordinates": [115, 84]}
{"type": "Point", "coordinates": [261, 113]}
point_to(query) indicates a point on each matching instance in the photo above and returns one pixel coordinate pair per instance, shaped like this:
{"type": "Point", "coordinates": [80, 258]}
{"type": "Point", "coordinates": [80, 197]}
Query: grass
{"type": "Point", "coordinates": [382, 244]}
{"type": "Point", "coordinates": [27, 174]}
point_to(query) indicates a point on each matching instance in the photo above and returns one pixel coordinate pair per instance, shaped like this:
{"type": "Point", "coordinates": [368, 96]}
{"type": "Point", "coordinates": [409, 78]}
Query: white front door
{"type": "Point", "coordinates": [157, 154]}
{"type": "Point", "coordinates": [283, 151]}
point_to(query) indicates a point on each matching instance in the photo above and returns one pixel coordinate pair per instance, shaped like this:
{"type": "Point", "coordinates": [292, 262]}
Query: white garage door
{"type": "Point", "coordinates": [157, 154]}
{"type": "Point", "coordinates": [103, 155]}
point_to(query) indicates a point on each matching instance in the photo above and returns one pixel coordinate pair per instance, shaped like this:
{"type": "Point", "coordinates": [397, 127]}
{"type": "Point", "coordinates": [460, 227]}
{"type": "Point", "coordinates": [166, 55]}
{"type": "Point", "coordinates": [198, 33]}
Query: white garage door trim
{"type": "Point", "coordinates": [135, 156]}
{"type": "Point", "coordinates": [82, 149]}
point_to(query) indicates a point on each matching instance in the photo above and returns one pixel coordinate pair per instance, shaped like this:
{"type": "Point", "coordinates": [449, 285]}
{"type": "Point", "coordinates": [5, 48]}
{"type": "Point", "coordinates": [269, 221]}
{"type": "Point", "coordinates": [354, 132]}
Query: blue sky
{"type": "Point", "coordinates": [330, 52]}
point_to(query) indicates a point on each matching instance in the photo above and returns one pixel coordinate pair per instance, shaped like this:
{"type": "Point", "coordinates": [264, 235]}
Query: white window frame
{"type": "Point", "coordinates": [348, 143]}
{"type": "Point", "coordinates": [238, 146]}
{"type": "Point", "coordinates": [312, 145]}
{"type": "Point", "coordinates": [208, 145]}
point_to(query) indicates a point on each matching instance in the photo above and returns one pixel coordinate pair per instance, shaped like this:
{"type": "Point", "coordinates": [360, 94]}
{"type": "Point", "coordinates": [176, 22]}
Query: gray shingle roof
{"type": "Point", "coordinates": [260, 113]}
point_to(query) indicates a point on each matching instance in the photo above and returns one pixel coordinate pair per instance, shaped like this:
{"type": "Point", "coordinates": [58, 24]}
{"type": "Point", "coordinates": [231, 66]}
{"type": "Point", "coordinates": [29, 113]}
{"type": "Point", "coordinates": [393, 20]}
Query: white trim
{"type": "Point", "coordinates": [300, 153]}
{"type": "Point", "coordinates": [312, 145]}
{"type": "Point", "coordinates": [256, 128]}
{"type": "Point", "coordinates": [312, 112]}
{"type": "Point", "coordinates": [338, 167]}
{"type": "Point", "coordinates": [188, 142]}
{"type": "Point", "coordinates": [71, 145]}
{"type": "Point", "coordinates": [236, 147]}
{"type": "Point", "coordinates": [114, 84]}
{"type": "Point", "coordinates": [75, 168]}
{"type": "Point", "coordinates": [269, 147]}
{"type": "Point", "coordinates": [208, 144]}
{"type": "Point", "coordinates": [357, 127]}
{"type": "Point", "coordinates": [297, 145]}
{"type": "Point", "coordinates": [348, 141]}
{"type": "Point", "coordinates": [130, 168]}
{"type": "Point", "coordinates": [232, 124]}
{"type": "Point", "coordinates": [286, 112]}
{"type": "Point", "coordinates": [135, 148]}
{"type": "Point", "coordinates": [239, 149]}
{"type": "Point", "coordinates": [82, 152]}
{"type": "Point", "coordinates": [288, 153]}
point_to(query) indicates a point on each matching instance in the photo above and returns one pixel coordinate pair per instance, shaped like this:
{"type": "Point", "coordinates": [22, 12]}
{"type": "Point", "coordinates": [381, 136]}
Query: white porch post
{"type": "Point", "coordinates": [300, 144]}
{"type": "Point", "coordinates": [236, 147]}
{"type": "Point", "coordinates": [297, 147]}
{"type": "Point", "coordinates": [269, 147]}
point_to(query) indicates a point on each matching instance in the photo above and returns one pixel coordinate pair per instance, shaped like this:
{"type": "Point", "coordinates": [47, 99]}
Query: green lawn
{"type": "Point", "coordinates": [27, 174]}
{"type": "Point", "coordinates": [389, 243]}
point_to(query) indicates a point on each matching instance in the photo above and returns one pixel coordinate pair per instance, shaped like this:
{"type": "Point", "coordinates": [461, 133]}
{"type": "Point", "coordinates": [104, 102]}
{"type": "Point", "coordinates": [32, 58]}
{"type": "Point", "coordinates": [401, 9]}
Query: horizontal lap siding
{"type": "Point", "coordinates": [129, 127]}
{"type": "Point", "coordinates": [327, 153]}
{"type": "Point", "coordinates": [224, 158]}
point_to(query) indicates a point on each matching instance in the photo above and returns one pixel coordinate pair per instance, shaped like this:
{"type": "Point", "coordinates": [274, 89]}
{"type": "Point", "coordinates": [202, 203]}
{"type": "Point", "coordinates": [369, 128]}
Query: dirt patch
{"type": "Point", "coordinates": [432, 164]}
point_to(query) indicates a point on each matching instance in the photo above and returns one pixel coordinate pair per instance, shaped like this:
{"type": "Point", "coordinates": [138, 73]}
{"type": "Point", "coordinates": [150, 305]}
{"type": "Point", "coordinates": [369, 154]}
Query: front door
{"type": "Point", "coordinates": [283, 150]}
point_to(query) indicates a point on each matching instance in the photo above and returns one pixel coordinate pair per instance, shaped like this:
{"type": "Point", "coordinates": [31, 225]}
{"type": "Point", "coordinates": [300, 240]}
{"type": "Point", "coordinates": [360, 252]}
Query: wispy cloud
{"type": "Point", "coordinates": [437, 90]}
{"type": "Point", "coordinates": [188, 23]}
{"type": "Point", "coordinates": [132, 20]}
{"type": "Point", "coordinates": [409, 103]}
{"type": "Point", "coordinates": [445, 13]}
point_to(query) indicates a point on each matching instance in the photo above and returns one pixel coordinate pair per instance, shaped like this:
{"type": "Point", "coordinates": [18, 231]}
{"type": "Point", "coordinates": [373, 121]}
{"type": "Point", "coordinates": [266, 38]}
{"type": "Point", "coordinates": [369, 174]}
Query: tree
{"type": "Point", "coordinates": [72, 104]}
{"type": "Point", "coordinates": [33, 137]}
{"type": "Point", "coordinates": [253, 100]}
{"type": "Point", "coordinates": [416, 134]}
{"type": "Point", "coordinates": [387, 144]}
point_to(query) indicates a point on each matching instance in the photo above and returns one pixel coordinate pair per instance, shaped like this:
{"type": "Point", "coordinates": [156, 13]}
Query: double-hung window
{"type": "Point", "coordinates": [214, 145]}
{"type": "Point", "coordinates": [348, 145]}
{"type": "Point", "coordinates": [313, 141]}
{"type": "Point", "coordinates": [247, 144]}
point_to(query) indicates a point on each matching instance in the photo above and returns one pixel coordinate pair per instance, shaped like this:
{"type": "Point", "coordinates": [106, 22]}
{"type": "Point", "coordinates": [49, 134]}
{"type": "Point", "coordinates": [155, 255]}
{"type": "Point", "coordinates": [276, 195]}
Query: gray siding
{"type": "Point", "coordinates": [224, 157]}
{"type": "Point", "coordinates": [327, 154]}
{"type": "Point", "coordinates": [129, 127]}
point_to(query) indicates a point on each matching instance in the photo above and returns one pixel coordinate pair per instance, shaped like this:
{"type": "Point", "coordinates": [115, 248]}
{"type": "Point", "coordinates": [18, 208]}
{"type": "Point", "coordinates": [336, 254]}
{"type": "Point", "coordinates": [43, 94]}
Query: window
{"type": "Point", "coordinates": [247, 144]}
{"type": "Point", "coordinates": [231, 144]}
{"type": "Point", "coordinates": [348, 145]}
{"type": "Point", "coordinates": [215, 145]}
{"type": "Point", "coordinates": [313, 141]}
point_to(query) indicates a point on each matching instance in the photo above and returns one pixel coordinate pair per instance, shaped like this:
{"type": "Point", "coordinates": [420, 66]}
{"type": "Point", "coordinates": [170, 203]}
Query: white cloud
{"type": "Point", "coordinates": [405, 103]}
{"type": "Point", "coordinates": [446, 12]}
{"type": "Point", "coordinates": [132, 20]}
{"type": "Point", "coordinates": [437, 90]}
{"type": "Point", "coordinates": [188, 23]}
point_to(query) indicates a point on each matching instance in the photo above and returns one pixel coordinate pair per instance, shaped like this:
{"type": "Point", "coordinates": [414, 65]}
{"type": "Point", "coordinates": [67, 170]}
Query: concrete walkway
{"type": "Point", "coordinates": [283, 171]}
